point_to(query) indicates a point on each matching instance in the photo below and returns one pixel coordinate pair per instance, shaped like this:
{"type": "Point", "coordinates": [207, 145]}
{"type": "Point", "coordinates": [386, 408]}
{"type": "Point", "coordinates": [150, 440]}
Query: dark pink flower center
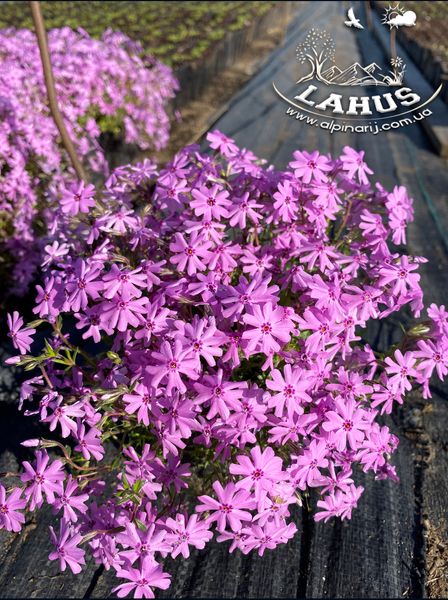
{"type": "Point", "coordinates": [266, 328]}
{"type": "Point", "coordinates": [347, 425]}
{"type": "Point", "coordinates": [257, 474]}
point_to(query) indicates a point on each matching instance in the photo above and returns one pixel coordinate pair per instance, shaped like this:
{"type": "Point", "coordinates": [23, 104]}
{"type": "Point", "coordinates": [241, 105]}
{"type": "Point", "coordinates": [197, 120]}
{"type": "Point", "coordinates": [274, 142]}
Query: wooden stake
{"type": "Point", "coordinates": [51, 90]}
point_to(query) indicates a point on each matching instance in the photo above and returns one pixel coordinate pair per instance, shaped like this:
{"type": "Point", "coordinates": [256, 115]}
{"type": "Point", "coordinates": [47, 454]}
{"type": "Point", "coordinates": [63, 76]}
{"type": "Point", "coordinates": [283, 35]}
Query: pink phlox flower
{"type": "Point", "coordinates": [42, 478]}
{"type": "Point", "coordinates": [400, 370]}
{"type": "Point", "coordinates": [123, 312]}
{"type": "Point", "coordinates": [47, 298]}
{"type": "Point", "coordinates": [319, 252]}
{"type": "Point", "coordinates": [143, 467]}
{"type": "Point", "coordinates": [140, 401]}
{"type": "Point", "coordinates": [142, 545]}
{"type": "Point", "coordinates": [339, 503]}
{"type": "Point", "coordinates": [364, 300]}
{"type": "Point", "coordinates": [84, 284]}
{"type": "Point", "coordinates": [141, 580]}
{"type": "Point", "coordinates": [91, 319]}
{"type": "Point", "coordinates": [154, 321]}
{"type": "Point", "coordinates": [439, 316]}
{"type": "Point", "coordinates": [259, 472]}
{"type": "Point", "coordinates": [276, 505]}
{"type": "Point", "coordinates": [184, 532]}
{"type": "Point", "coordinates": [350, 384]}
{"type": "Point", "coordinates": [22, 337]}
{"type": "Point", "coordinates": [222, 257]}
{"type": "Point", "coordinates": [255, 263]}
{"type": "Point", "coordinates": [327, 296]}
{"type": "Point", "coordinates": [371, 224]}
{"type": "Point", "coordinates": [236, 300]}
{"type": "Point", "coordinates": [11, 518]}
{"type": "Point", "coordinates": [292, 428]}
{"type": "Point", "coordinates": [376, 448]}
{"type": "Point", "coordinates": [267, 537]}
{"type": "Point", "coordinates": [353, 162]}
{"type": "Point", "coordinates": [321, 326]}
{"type": "Point", "coordinates": [209, 230]}
{"type": "Point", "coordinates": [210, 203]}
{"type": "Point", "coordinates": [78, 199]}
{"type": "Point", "coordinates": [202, 337]}
{"type": "Point", "coordinates": [307, 464]}
{"type": "Point", "coordinates": [179, 414]}
{"type": "Point", "coordinates": [236, 537]}
{"type": "Point", "coordinates": [62, 415]}
{"type": "Point", "coordinates": [291, 388]}
{"type": "Point", "coordinates": [220, 395]}
{"type": "Point", "coordinates": [432, 356]}
{"type": "Point", "coordinates": [269, 327]}
{"type": "Point", "coordinates": [348, 422]}
{"type": "Point", "coordinates": [173, 473]}
{"type": "Point", "coordinates": [173, 361]}
{"type": "Point", "coordinates": [286, 199]}
{"type": "Point", "coordinates": [172, 192]}
{"type": "Point", "coordinates": [206, 286]}
{"type": "Point", "coordinates": [333, 481]}
{"type": "Point", "coordinates": [309, 166]}
{"type": "Point", "coordinates": [243, 209]}
{"type": "Point", "coordinates": [231, 507]}
{"type": "Point", "coordinates": [223, 144]}
{"type": "Point", "coordinates": [53, 252]}
{"type": "Point", "coordinates": [331, 505]}
{"type": "Point", "coordinates": [66, 548]}
{"type": "Point", "coordinates": [187, 255]}
{"type": "Point", "coordinates": [119, 222]}
{"type": "Point", "coordinates": [250, 411]}
{"type": "Point", "coordinates": [70, 502]}
{"type": "Point", "coordinates": [124, 282]}
{"type": "Point", "coordinates": [89, 442]}
{"type": "Point", "coordinates": [400, 275]}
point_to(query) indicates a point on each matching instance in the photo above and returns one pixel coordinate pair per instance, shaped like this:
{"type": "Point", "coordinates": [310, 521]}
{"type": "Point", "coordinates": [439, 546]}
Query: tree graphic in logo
{"type": "Point", "coordinates": [317, 48]}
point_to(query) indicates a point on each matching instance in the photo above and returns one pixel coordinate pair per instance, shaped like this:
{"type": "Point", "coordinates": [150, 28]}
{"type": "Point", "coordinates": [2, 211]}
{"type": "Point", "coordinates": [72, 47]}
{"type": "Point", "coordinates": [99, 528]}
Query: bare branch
{"type": "Point", "coordinates": [51, 90]}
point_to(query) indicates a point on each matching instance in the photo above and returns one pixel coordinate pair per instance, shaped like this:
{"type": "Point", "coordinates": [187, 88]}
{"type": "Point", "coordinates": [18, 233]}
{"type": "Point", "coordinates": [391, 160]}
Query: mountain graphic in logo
{"type": "Point", "coordinates": [355, 74]}
{"type": "Point", "coordinates": [317, 51]}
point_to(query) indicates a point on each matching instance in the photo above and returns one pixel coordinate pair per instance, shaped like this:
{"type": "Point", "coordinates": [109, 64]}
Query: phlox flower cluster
{"type": "Point", "coordinates": [201, 364]}
{"type": "Point", "coordinates": [102, 85]}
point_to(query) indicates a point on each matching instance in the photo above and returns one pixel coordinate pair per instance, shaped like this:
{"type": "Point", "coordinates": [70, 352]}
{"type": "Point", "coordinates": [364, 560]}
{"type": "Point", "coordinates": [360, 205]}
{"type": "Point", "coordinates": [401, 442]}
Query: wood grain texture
{"type": "Point", "coordinates": [382, 551]}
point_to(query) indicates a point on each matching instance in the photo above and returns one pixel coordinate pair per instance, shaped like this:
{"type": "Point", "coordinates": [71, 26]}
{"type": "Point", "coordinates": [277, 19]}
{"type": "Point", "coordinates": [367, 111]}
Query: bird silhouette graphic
{"type": "Point", "coordinates": [352, 20]}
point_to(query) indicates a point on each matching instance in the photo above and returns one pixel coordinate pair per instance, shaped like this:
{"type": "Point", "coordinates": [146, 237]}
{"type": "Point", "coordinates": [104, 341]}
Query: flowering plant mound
{"type": "Point", "coordinates": [102, 86]}
{"type": "Point", "coordinates": [220, 374]}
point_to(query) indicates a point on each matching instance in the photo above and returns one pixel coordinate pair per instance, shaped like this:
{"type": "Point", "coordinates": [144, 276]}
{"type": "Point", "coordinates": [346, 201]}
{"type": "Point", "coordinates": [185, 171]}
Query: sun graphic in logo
{"type": "Point", "coordinates": [396, 16]}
